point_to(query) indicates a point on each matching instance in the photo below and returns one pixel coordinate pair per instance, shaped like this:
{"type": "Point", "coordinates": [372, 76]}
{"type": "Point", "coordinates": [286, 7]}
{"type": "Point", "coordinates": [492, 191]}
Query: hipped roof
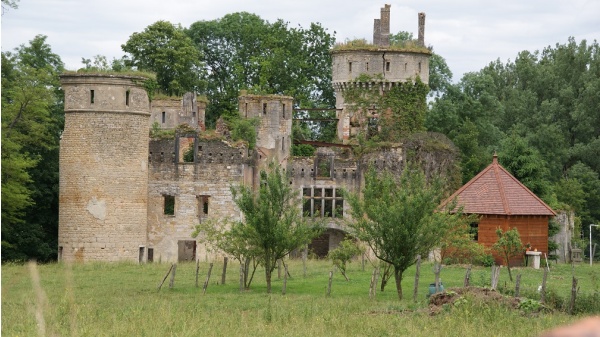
{"type": "Point", "coordinates": [495, 191]}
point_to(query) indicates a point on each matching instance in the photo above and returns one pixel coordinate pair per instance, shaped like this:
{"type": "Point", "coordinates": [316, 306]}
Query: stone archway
{"type": "Point", "coordinates": [330, 239]}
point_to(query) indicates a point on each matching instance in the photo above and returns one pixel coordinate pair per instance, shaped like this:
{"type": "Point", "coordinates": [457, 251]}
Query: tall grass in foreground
{"type": "Point", "coordinates": [119, 299]}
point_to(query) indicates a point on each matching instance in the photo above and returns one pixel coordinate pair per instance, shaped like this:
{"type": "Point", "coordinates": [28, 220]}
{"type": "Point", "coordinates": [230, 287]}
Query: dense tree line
{"type": "Point", "coordinates": [32, 120]}
{"type": "Point", "coordinates": [541, 113]}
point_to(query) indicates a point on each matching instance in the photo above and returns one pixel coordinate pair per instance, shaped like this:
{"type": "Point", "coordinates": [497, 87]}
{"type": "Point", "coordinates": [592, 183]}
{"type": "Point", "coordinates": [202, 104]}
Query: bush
{"type": "Point", "coordinates": [244, 129]}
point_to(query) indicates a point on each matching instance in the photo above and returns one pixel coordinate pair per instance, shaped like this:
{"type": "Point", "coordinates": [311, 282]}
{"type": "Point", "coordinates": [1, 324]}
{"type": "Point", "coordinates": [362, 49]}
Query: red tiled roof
{"type": "Point", "coordinates": [495, 191]}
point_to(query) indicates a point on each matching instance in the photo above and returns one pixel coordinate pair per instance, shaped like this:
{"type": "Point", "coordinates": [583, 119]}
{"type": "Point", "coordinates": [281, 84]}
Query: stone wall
{"type": "Point", "coordinates": [201, 191]}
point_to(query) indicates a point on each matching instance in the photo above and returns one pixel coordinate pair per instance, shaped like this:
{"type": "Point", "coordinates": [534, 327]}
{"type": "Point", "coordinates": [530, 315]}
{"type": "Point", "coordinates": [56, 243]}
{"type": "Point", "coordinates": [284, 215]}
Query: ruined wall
{"type": "Point", "coordinates": [566, 221]}
{"type": "Point", "coordinates": [274, 133]}
{"type": "Point", "coordinates": [170, 112]}
{"type": "Point", "coordinates": [103, 168]}
{"type": "Point", "coordinates": [207, 180]}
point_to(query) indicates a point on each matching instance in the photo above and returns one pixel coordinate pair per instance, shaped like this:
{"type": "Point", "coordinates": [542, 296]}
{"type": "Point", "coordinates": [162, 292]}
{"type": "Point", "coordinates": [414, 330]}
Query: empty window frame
{"type": "Point", "coordinates": [322, 202]}
{"type": "Point", "coordinates": [203, 203]}
{"type": "Point", "coordinates": [169, 204]}
{"type": "Point", "coordinates": [150, 255]}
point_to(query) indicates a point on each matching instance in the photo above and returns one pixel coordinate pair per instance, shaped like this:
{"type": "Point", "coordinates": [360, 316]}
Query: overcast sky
{"type": "Point", "coordinates": [467, 33]}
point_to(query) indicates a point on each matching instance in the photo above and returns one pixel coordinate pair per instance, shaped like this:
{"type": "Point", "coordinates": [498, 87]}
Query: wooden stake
{"type": "Point", "coordinates": [467, 281]}
{"type": "Point", "coordinates": [285, 276]}
{"type": "Point", "coordinates": [304, 257]}
{"type": "Point", "coordinates": [372, 286]}
{"type": "Point", "coordinates": [242, 277]}
{"type": "Point", "coordinates": [197, 271]}
{"type": "Point", "coordinates": [518, 285]}
{"type": "Point", "coordinates": [573, 295]}
{"type": "Point", "coordinates": [279, 269]}
{"type": "Point", "coordinates": [207, 279]}
{"type": "Point", "coordinates": [363, 262]}
{"type": "Point", "coordinates": [543, 294]}
{"type": "Point", "coordinates": [165, 278]}
{"type": "Point", "coordinates": [224, 274]}
{"type": "Point", "coordinates": [329, 285]}
{"type": "Point", "coordinates": [172, 281]}
{"type": "Point", "coordinates": [495, 275]}
{"type": "Point", "coordinates": [417, 274]}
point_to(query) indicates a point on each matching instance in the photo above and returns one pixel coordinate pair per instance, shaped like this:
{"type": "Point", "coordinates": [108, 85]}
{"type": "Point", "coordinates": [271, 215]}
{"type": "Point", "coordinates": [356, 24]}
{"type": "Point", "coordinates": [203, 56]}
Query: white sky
{"type": "Point", "coordinates": [467, 33]}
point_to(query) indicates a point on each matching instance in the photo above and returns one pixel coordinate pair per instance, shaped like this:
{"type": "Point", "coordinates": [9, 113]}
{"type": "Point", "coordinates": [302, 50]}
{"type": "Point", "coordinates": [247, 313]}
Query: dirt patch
{"type": "Point", "coordinates": [483, 295]}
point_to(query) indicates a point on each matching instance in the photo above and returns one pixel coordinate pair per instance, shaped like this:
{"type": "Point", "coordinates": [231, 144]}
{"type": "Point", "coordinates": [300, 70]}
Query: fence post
{"type": "Point", "coordinates": [172, 281]}
{"type": "Point", "coordinates": [165, 278]}
{"type": "Point", "coordinates": [207, 278]}
{"type": "Point", "coordinates": [518, 285]}
{"type": "Point", "coordinates": [417, 274]}
{"type": "Point", "coordinates": [467, 281]}
{"type": "Point", "coordinates": [285, 276]}
{"type": "Point", "coordinates": [197, 271]}
{"type": "Point", "coordinates": [224, 270]}
{"type": "Point", "coordinates": [543, 294]}
{"type": "Point", "coordinates": [330, 280]}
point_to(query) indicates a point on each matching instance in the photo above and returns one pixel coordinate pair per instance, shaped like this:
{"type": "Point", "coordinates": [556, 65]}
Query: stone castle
{"type": "Point", "coordinates": [127, 196]}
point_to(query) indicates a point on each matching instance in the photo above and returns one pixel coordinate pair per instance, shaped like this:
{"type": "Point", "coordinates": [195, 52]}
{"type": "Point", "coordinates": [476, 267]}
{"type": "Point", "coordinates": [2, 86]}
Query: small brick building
{"type": "Point", "coordinates": [502, 201]}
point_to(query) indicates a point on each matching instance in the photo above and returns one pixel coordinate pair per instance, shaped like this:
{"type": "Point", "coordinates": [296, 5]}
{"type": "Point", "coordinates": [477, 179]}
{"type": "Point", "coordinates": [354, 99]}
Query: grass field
{"type": "Point", "coordinates": [119, 299]}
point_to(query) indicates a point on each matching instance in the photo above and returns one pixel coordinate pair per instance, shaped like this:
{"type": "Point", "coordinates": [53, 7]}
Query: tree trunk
{"type": "Point", "coordinates": [398, 277]}
{"type": "Point", "coordinates": [268, 272]}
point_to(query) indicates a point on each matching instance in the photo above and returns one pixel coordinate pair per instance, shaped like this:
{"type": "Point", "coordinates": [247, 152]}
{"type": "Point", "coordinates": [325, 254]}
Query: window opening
{"type": "Point", "coordinates": [164, 116]}
{"type": "Point", "coordinates": [246, 110]}
{"type": "Point", "coordinates": [419, 67]}
{"type": "Point", "coordinates": [127, 97]}
{"type": "Point", "coordinates": [141, 255]}
{"type": "Point", "coordinates": [150, 254]}
{"type": "Point", "coordinates": [322, 202]}
{"type": "Point", "coordinates": [92, 96]}
{"type": "Point", "coordinates": [349, 67]}
{"type": "Point", "coordinates": [387, 66]}
{"type": "Point", "coordinates": [283, 110]}
{"type": "Point", "coordinates": [367, 66]}
{"type": "Point", "coordinates": [169, 204]}
{"type": "Point", "coordinates": [264, 108]}
{"type": "Point", "coordinates": [60, 253]}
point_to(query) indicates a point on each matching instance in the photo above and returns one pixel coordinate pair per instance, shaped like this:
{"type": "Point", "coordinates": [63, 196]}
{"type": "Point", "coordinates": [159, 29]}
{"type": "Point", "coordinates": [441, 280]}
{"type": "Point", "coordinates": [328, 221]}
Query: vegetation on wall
{"type": "Point", "coordinates": [392, 116]}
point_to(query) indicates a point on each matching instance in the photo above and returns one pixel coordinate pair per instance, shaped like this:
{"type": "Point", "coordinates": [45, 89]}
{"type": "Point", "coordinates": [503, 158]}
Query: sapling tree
{"type": "Point", "coordinates": [398, 217]}
{"type": "Point", "coordinates": [273, 225]}
{"type": "Point", "coordinates": [343, 254]}
{"type": "Point", "coordinates": [508, 245]}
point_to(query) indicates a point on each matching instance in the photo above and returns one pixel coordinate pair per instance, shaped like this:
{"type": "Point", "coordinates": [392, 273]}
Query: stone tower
{"type": "Point", "coordinates": [385, 65]}
{"type": "Point", "coordinates": [274, 132]}
{"type": "Point", "coordinates": [104, 168]}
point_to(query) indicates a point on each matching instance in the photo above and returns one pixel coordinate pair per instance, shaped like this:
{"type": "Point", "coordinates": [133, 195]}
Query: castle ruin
{"type": "Point", "coordinates": [127, 196]}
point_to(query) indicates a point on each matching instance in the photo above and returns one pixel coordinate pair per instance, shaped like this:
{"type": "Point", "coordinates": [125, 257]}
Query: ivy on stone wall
{"type": "Point", "coordinates": [391, 114]}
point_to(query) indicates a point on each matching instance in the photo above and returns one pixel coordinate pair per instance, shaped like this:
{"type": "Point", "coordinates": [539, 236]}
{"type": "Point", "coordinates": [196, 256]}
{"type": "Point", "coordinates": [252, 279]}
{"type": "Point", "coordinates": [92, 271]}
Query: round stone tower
{"type": "Point", "coordinates": [104, 168]}
{"type": "Point", "coordinates": [381, 65]}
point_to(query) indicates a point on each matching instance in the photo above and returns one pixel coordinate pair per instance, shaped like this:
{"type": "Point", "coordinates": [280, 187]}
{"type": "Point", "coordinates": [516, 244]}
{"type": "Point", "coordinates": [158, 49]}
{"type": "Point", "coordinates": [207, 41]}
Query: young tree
{"type": "Point", "coordinates": [399, 219]}
{"type": "Point", "coordinates": [508, 245]}
{"type": "Point", "coordinates": [343, 254]}
{"type": "Point", "coordinates": [272, 224]}
{"type": "Point", "coordinates": [230, 238]}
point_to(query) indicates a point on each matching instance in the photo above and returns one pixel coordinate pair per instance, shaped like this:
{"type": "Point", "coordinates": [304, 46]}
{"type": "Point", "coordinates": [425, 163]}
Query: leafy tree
{"type": "Point", "coordinates": [243, 51]}
{"type": "Point", "coordinates": [32, 118]}
{"type": "Point", "coordinates": [508, 246]}
{"type": "Point", "coordinates": [232, 241]}
{"type": "Point", "coordinates": [165, 49]}
{"type": "Point", "coordinates": [341, 255]}
{"type": "Point", "coordinates": [525, 163]}
{"type": "Point", "coordinates": [273, 224]}
{"type": "Point", "coordinates": [398, 217]}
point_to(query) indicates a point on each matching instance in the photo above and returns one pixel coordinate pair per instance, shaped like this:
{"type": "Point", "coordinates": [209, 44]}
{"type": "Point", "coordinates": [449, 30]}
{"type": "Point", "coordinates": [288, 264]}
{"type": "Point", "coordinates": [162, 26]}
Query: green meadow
{"type": "Point", "coordinates": [121, 299]}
